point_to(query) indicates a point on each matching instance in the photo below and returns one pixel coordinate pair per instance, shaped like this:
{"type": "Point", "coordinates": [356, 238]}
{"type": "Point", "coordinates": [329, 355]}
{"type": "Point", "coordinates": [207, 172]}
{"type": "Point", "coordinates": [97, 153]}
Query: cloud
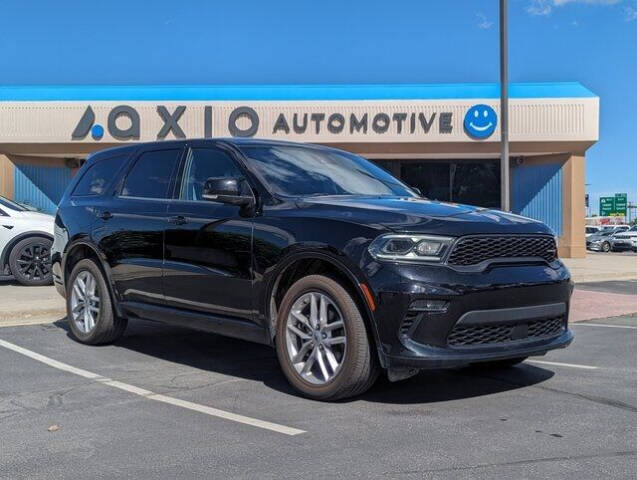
{"type": "Point", "coordinates": [484, 24]}
{"type": "Point", "coordinates": [630, 14]}
{"type": "Point", "coordinates": [559, 3]}
{"type": "Point", "coordinates": [540, 7]}
{"type": "Point", "coordinates": [545, 7]}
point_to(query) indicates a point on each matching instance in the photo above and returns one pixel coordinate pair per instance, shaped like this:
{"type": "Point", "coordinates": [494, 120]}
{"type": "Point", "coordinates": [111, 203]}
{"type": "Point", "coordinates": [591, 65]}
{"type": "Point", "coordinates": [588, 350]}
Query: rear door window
{"type": "Point", "coordinates": [150, 176]}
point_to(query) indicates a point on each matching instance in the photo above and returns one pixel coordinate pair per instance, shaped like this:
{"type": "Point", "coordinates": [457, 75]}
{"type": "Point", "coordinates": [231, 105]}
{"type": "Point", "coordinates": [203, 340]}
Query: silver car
{"type": "Point", "coordinates": [601, 241]}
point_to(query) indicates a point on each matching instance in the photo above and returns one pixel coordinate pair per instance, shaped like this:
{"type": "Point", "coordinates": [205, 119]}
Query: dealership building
{"type": "Point", "coordinates": [443, 139]}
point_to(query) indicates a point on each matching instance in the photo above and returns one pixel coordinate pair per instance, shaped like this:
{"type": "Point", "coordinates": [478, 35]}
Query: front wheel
{"type": "Point", "coordinates": [322, 342]}
{"type": "Point", "coordinates": [605, 247]}
{"type": "Point", "coordinates": [89, 307]}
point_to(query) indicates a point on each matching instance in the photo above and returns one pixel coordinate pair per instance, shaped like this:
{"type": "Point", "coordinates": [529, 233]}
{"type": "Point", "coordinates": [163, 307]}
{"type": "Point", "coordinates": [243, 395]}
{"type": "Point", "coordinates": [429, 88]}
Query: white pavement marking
{"type": "Point", "coordinates": [215, 412]}
{"type": "Point", "coordinates": [629, 327]}
{"type": "Point", "coordinates": [558, 364]}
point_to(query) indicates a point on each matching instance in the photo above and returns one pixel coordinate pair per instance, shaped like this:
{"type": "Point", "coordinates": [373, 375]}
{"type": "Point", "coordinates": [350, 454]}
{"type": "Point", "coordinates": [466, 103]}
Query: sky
{"type": "Point", "coordinates": [356, 41]}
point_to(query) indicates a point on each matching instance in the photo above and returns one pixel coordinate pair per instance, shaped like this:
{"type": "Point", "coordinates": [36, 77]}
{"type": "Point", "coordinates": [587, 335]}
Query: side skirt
{"type": "Point", "coordinates": [198, 321]}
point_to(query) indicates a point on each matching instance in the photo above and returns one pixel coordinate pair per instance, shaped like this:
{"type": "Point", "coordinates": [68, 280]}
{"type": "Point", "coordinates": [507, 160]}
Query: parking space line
{"type": "Point", "coordinates": [628, 327]}
{"type": "Point", "coordinates": [142, 392]}
{"type": "Point", "coordinates": [558, 364]}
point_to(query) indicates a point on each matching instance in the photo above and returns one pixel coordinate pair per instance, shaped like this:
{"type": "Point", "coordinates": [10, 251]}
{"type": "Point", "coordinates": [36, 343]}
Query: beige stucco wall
{"type": "Point", "coordinates": [534, 119]}
{"type": "Point", "coordinates": [573, 241]}
{"type": "Point", "coordinates": [6, 177]}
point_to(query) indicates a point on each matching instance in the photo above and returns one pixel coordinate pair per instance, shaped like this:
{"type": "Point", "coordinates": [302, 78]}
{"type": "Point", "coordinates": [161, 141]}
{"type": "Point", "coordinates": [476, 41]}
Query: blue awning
{"type": "Point", "coordinates": [288, 92]}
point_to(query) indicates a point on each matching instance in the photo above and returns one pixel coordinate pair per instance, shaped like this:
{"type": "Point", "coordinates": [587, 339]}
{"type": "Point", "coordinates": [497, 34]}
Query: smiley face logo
{"type": "Point", "coordinates": [480, 121]}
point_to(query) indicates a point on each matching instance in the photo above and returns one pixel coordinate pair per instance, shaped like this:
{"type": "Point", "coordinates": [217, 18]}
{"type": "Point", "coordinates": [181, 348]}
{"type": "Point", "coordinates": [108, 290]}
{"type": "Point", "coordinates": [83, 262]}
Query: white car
{"type": "Point", "coordinates": [591, 230]}
{"type": "Point", "coordinates": [25, 243]}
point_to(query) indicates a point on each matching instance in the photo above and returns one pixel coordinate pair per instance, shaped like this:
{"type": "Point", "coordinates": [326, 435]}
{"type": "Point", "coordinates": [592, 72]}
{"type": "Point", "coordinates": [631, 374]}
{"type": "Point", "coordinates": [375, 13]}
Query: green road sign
{"type": "Point", "coordinates": [606, 206]}
{"type": "Point", "coordinates": [621, 204]}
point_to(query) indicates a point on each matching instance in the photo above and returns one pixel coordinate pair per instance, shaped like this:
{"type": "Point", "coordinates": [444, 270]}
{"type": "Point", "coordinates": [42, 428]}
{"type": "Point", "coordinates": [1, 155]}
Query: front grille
{"type": "Point", "coordinates": [476, 249]}
{"type": "Point", "coordinates": [471, 335]}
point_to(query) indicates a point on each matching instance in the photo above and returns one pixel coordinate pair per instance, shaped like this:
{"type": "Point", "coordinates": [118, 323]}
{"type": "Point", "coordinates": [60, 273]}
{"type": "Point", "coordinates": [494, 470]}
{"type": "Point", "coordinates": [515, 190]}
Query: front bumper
{"type": "Point", "coordinates": [506, 312]}
{"type": "Point", "coordinates": [619, 245]}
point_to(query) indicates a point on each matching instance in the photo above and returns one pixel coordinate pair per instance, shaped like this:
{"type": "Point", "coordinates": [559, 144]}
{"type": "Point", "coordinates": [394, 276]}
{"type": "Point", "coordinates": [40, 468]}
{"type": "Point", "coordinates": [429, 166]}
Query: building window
{"type": "Point", "coordinates": [473, 182]}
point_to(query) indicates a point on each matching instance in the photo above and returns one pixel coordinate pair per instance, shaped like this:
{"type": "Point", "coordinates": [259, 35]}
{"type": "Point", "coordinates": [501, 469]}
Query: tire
{"type": "Point", "coordinates": [104, 325]}
{"type": "Point", "coordinates": [605, 247]}
{"type": "Point", "coordinates": [358, 368]}
{"type": "Point", "coordinates": [30, 261]}
{"type": "Point", "coordinates": [507, 363]}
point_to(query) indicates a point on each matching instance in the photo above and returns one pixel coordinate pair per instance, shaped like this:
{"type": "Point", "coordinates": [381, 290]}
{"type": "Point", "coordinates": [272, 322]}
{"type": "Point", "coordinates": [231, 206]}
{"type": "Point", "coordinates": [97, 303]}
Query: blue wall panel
{"type": "Point", "coordinates": [537, 193]}
{"type": "Point", "coordinates": [40, 187]}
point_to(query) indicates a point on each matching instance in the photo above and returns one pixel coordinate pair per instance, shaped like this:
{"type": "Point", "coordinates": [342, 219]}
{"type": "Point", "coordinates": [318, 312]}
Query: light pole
{"type": "Point", "coordinates": [505, 195]}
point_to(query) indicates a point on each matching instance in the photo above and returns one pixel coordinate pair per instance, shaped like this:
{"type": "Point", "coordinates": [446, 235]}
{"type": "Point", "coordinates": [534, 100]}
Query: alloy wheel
{"type": "Point", "coordinates": [85, 302]}
{"type": "Point", "coordinates": [34, 261]}
{"type": "Point", "coordinates": [316, 337]}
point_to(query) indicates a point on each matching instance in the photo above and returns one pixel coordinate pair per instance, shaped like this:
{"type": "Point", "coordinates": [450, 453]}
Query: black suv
{"type": "Point", "coordinates": [313, 250]}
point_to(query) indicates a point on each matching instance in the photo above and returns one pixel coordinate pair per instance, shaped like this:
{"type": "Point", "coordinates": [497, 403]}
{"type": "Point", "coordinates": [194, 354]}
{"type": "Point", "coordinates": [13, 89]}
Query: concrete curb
{"type": "Point", "coordinates": [603, 277]}
{"type": "Point", "coordinates": [32, 317]}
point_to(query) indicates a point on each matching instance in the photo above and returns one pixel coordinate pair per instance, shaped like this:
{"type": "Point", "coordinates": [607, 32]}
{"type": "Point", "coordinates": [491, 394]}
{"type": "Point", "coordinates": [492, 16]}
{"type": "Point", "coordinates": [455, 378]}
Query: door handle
{"type": "Point", "coordinates": [105, 215]}
{"type": "Point", "coordinates": [178, 220]}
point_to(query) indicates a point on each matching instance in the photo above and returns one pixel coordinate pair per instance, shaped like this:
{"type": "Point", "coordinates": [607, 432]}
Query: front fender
{"type": "Point", "coordinates": [337, 260]}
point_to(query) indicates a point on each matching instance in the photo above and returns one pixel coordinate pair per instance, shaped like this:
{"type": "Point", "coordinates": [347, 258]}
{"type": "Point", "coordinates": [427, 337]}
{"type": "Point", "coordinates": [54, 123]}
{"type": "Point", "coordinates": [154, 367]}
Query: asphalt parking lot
{"type": "Point", "coordinates": [165, 403]}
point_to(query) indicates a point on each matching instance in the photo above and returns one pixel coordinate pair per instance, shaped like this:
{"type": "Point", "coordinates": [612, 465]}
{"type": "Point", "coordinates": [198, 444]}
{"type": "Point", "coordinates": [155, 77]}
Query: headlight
{"type": "Point", "coordinates": [410, 248]}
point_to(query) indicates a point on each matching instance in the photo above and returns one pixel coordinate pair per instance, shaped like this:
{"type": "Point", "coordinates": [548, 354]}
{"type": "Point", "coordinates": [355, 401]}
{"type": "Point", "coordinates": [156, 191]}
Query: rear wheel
{"type": "Point", "coordinates": [30, 261]}
{"type": "Point", "coordinates": [89, 308]}
{"type": "Point", "coordinates": [322, 342]}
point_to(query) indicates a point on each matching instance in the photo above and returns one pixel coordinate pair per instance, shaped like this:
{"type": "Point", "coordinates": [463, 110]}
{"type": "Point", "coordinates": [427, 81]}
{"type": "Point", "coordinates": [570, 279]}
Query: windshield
{"type": "Point", "coordinates": [295, 171]}
{"type": "Point", "coordinates": [5, 202]}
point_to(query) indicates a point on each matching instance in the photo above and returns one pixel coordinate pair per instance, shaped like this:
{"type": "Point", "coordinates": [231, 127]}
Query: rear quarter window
{"type": "Point", "coordinates": [99, 176]}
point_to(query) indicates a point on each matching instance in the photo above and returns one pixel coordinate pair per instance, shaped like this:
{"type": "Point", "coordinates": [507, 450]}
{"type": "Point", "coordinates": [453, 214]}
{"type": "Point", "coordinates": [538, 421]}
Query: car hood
{"type": "Point", "coordinates": [418, 215]}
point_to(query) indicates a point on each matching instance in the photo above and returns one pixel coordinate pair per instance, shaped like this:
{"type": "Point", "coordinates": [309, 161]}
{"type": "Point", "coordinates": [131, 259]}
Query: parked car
{"type": "Point", "coordinates": [592, 229]}
{"type": "Point", "coordinates": [317, 252]}
{"type": "Point", "coordinates": [25, 243]}
{"type": "Point", "coordinates": [601, 241]}
{"type": "Point", "coordinates": [625, 240]}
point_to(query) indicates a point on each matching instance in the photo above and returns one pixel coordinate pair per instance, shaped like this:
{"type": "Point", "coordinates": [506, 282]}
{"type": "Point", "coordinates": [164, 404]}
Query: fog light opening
{"type": "Point", "coordinates": [429, 305]}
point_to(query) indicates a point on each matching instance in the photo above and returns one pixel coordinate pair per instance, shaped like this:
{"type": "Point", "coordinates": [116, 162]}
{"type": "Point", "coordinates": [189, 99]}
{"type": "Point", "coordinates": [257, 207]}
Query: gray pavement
{"type": "Point", "coordinates": [576, 419]}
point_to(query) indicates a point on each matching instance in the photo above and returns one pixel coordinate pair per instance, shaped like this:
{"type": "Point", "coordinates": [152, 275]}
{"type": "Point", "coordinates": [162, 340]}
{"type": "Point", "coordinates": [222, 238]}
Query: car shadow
{"type": "Point", "coordinates": [251, 361]}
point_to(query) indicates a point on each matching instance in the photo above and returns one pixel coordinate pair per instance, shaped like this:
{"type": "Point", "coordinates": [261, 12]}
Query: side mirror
{"type": "Point", "coordinates": [417, 190]}
{"type": "Point", "coordinates": [225, 190]}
